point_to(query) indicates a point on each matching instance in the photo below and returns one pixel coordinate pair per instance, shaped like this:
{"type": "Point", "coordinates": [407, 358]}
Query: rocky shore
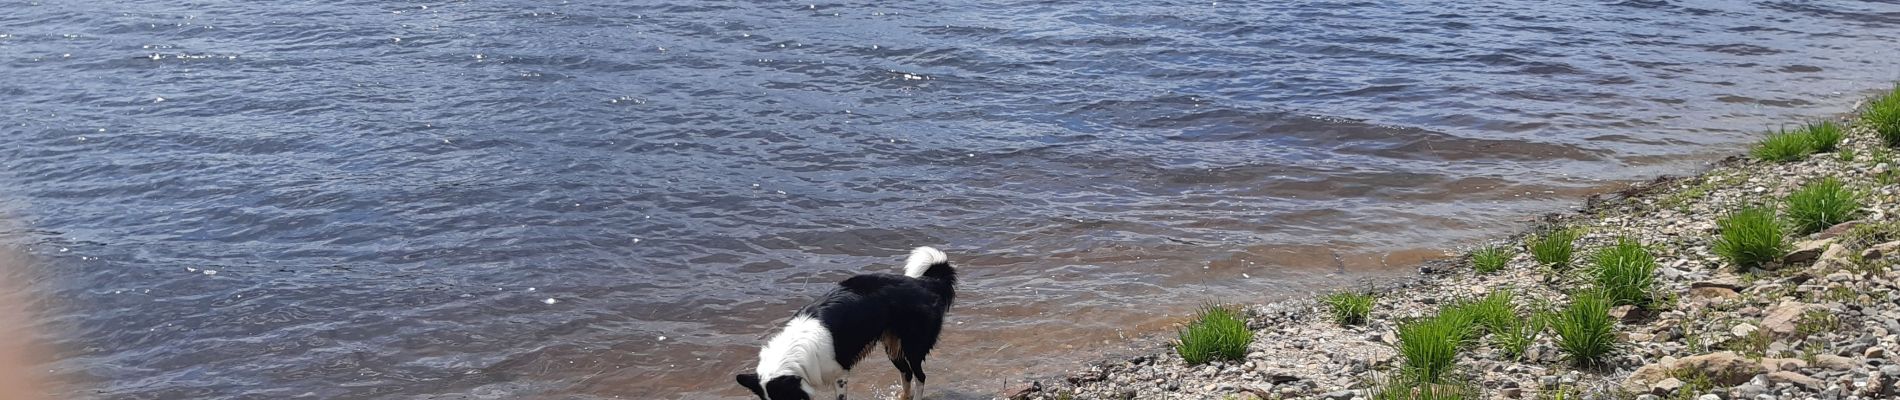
{"type": "Point", "coordinates": [1819, 323]}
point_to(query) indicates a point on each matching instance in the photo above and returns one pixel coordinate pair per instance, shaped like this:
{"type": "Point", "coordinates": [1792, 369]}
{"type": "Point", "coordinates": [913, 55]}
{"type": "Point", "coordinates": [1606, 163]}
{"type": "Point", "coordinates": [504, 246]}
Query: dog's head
{"type": "Point", "coordinates": [783, 387]}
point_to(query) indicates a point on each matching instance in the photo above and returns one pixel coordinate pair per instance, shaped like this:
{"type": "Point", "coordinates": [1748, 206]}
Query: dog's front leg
{"type": "Point", "coordinates": [841, 390]}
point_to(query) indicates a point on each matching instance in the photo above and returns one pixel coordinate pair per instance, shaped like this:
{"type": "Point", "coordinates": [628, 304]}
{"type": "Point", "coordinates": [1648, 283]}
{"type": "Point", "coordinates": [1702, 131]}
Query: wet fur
{"type": "Point", "coordinates": [827, 338]}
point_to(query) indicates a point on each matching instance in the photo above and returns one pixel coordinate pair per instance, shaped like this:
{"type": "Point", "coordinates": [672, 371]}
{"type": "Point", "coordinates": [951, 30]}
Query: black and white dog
{"type": "Point", "coordinates": [824, 339]}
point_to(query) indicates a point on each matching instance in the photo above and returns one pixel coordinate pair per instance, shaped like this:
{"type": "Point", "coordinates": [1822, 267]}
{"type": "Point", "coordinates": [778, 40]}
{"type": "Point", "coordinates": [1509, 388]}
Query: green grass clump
{"type": "Point", "coordinates": [1626, 272]}
{"type": "Point", "coordinates": [1218, 333]}
{"type": "Point", "coordinates": [1493, 312]}
{"type": "Point", "coordinates": [1555, 248]}
{"type": "Point", "coordinates": [1403, 387]}
{"type": "Point", "coordinates": [1750, 237]}
{"type": "Point", "coordinates": [1782, 146]}
{"type": "Point", "coordinates": [1430, 345]}
{"type": "Point", "coordinates": [1819, 205]}
{"type": "Point", "coordinates": [1884, 116]}
{"type": "Point", "coordinates": [1584, 329]}
{"type": "Point", "coordinates": [1349, 308]}
{"type": "Point", "coordinates": [1490, 258]}
{"type": "Point", "coordinates": [1823, 137]}
{"type": "Point", "coordinates": [1517, 336]}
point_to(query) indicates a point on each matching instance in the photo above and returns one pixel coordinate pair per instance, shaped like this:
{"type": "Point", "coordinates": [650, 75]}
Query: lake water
{"type": "Point", "coordinates": [587, 199]}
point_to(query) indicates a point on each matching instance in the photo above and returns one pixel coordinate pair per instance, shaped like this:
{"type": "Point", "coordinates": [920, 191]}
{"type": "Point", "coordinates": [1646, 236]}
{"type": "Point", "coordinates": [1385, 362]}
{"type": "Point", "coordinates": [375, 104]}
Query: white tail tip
{"type": "Point", "coordinates": [921, 259]}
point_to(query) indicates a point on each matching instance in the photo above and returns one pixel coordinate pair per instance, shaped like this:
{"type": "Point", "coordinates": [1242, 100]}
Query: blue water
{"type": "Point", "coordinates": [389, 193]}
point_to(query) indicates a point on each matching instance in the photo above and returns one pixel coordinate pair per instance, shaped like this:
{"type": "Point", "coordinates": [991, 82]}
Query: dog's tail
{"type": "Point", "coordinates": [928, 262]}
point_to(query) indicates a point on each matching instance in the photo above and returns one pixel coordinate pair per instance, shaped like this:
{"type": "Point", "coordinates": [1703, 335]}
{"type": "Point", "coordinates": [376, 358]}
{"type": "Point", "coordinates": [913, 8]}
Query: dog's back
{"type": "Point", "coordinates": [904, 312]}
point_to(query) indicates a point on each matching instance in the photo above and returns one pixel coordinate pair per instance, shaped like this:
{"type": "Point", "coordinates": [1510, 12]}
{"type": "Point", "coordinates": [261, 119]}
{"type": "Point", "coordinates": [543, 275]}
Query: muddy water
{"type": "Point", "coordinates": [510, 199]}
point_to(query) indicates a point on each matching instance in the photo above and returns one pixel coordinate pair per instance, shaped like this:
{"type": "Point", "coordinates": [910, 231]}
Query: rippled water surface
{"type": "Point", "coordinates": [508, 199]}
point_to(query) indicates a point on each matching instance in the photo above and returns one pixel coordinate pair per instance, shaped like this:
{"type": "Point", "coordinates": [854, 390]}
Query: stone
{"type": "Point", "coordinates": [1796, 378]}
{"type": "Point", "coordinates": [1837, 230]}
{"type": "Point", "coordinates": [1840, 277]}
{"type": "Point", "coordinates": [1781, 318]}
{"type": "Point", "coordinates": [1879, 251]}
{"type": "Point", "coordinates": [1807, 250]}
{"type": "Point", "coordinates": [1712, 293]}
{"type": "Point", "coordinates": [1339, 395]}
{"type": "Point", "coordinates": [1783, 364]}
{"type": "Point", "coordinates": [1874, 352]}
{"type": "Point", "coordinates": [1834, 362]}
{"type": "Point", "coordinates": [1742, 330]}
{"type": "Point", "coordinates": [1023, 391]}
{"type": "Point", "coordinates": [1710, 396]}
{"type": "Point", "coordinates": [1665, 387]}
{"type": "Point", "coordinates": [1547, 382]}
{"type": "Point", "coordinates": [1730, 282]}
{"type": "Point", "coordinates": [1834, 257]}
{"type": "Point", "coordinates": [1725, 367]}
{"type": "Point", "coordinates": [1629, 314]}
{"type": "Point", "coordinates": [1647, 376]}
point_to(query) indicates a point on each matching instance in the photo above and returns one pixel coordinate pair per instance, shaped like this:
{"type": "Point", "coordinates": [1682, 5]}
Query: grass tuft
{"type": "Point", "coordinates": [1490, 259]}
{"type": "Point", "coordinates": [1218, 333]}
{"type": "Point", "coordinates": [1819, 205]}
{"type": "Point", "coordinates": [1493, 312]}
{"type": "Point", "coordinates": [1430, 346]}
{"type": "Point", "coordinates": [1884, 116]}
{"type": "Point", "coordinates": [1349, 308]}
{"type": "Point", "coordinates": [1403, 387]}
{"type": "Point", "coordinates": [1518, 336]}
{"type": "Point", "coordinates": [1626, 272]}
{"type": "Point", "coordinates": [1750, 237]}
{"type": "Point", "coordinates": [1584, 329]}
{"type": "Point", "coordinates": [1824, 136]}
{"type": "Point", "coordinates": [1783, 146]}
{"type": "Point", "coordinates": [1555, 248]}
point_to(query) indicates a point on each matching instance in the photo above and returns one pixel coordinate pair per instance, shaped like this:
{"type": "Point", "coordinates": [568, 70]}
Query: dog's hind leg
{"type": "Point", "coordinates": [894, 348]}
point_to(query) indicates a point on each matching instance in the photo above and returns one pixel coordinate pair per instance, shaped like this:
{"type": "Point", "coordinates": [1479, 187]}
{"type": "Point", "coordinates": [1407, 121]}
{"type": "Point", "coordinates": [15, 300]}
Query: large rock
{"type": "Point", "coordinates": [1647, 376]}
{"type": "Point", "coordinates": [1783, 364]}
{"type": "Point", "coordinates": [1781, 319]}
{"type": "Point", "coordinates": [1795, 378]}
{"type": "Point", "coordinates": [1806, 251]}
{"type": "Point", "coordinates": [1834, 257]}
{"type": "Point", "coordinates": [1837, 363]}
{"type": "Point", "coordinates": [1837, 230]}
{"type": "Point", "coordinates": [1666, 387]}
{"type": "Point", "coordinates": [1725, 368]}
{"type": "Point", "coordinates": [1880, 250]}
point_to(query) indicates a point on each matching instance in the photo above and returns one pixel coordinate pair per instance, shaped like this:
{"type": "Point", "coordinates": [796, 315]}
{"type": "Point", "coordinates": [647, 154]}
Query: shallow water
{"type": "Point", "coordinates": [351, 199]}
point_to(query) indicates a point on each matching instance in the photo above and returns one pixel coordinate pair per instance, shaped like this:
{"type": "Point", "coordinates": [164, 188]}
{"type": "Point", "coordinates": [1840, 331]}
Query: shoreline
{"type": "Point", "coordinates": [1709, 318]}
